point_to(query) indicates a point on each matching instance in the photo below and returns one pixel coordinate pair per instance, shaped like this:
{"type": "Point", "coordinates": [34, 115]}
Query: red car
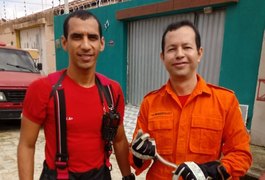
{"type": "Point", "coordinates": [17, 71]}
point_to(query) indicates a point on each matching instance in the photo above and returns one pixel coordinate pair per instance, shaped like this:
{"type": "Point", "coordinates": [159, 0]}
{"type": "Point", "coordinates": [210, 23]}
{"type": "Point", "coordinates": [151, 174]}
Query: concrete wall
{"type": "Point", "coordinates": [258, 121]}
{"type": "Point", "coordinates": [7, 35]}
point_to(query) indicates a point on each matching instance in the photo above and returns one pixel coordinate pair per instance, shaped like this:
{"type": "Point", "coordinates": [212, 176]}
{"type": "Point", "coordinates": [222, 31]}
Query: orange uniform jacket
{"type": "Point", "coordinates": [208, 127]}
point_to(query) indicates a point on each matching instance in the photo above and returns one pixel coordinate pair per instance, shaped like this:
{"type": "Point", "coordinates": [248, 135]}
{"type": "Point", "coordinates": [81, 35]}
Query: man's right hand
{"type": "Point", "coordinates": [143, 147]}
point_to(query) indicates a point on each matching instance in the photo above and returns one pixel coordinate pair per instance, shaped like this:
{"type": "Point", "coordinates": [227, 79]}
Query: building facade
{"type": "Point", "coordinates": [35, 31]}
{"type": "Point", "coordinates": [232, 37]}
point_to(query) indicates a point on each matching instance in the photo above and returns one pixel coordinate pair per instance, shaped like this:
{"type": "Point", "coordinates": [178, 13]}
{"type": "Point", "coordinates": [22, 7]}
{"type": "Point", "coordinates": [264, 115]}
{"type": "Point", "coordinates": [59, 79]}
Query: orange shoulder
{"type": "Point", "coordinates": [155, 91]}
{"type": "Point", "coordinates": [219, 88]}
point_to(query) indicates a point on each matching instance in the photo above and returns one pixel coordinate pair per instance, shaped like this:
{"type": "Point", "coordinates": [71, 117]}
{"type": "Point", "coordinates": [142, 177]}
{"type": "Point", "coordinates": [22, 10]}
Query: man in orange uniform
{"type": "Point", "coordinates": [195, 125]}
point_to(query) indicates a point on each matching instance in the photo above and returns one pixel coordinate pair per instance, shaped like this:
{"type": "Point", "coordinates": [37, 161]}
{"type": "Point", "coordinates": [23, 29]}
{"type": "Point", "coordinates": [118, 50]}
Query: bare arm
{"type": "Point", "coordinates": [26, 148]}
{"type": "Point", "coordinates": [121, 148]}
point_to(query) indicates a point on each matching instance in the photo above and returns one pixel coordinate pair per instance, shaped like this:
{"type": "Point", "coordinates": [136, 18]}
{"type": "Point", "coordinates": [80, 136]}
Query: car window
{"type": "Point", "coordinates": [16, 60]}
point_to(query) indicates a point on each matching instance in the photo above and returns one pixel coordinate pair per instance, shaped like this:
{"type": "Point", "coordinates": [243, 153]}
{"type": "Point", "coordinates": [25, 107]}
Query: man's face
{"type": "Point", "coordinates": [181, 56]}
{"type": "Point", "coordinates": [83, 43]}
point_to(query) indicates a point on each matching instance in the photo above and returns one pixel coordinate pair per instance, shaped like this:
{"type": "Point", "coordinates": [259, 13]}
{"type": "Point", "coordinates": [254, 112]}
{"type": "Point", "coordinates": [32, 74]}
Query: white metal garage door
{"type": "Point", "coordinates": [33, 39]}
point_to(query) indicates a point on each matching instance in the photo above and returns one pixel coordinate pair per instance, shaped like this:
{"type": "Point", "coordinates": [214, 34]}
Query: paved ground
{"type": "Point", "coordinates": [9, 134]}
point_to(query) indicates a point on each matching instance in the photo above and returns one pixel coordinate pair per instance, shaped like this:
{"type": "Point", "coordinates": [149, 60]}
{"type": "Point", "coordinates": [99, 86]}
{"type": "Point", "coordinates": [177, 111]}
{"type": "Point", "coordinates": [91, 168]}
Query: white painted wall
{"type": "Point", "coordinates": [258, 121]}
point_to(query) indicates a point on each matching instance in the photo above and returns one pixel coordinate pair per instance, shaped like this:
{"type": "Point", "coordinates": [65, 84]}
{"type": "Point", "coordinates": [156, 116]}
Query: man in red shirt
{"type": "Point", "coordinates": [84, 110]}
{"type": "Point", "coordinates": [195, 125]}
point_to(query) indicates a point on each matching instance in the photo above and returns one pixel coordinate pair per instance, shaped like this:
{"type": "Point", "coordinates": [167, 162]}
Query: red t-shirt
{"type": "Point", "coordinates": [84, 119]}
{"type": "Point", "coordinates": [183, 99]}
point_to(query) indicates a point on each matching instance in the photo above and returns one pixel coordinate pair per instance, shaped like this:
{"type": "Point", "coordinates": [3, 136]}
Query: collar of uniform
{"type": "Point", "coordinates": [200, 88]}
{"type": "Point", "coordinates": [169, 88]}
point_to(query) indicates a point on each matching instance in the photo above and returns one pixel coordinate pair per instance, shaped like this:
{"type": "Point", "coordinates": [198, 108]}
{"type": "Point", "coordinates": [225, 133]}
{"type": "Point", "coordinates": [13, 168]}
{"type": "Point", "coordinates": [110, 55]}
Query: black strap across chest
{"type": "Point", "coordinates": [60, 118]}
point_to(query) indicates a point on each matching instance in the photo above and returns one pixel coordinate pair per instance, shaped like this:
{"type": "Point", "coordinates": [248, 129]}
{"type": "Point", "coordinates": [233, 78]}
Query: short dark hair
{"type": "Point", "coordinates": [177, 25]}
{"type": "Point", "coordinates": [82, 14]}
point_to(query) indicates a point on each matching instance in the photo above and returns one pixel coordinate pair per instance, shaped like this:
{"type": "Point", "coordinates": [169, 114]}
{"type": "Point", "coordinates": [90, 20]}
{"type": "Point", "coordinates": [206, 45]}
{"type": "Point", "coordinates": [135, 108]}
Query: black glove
{"type": "Point", "coordinates": [138, 162]}
{"type": "Point", "coordinates": [143, 147]}
{"type": "Point", "coordinates": [192, 171]}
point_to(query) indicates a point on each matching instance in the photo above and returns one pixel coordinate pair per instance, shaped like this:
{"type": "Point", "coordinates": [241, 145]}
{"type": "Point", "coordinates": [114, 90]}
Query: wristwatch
{"type": "Point", "coordinates": [129, 177]}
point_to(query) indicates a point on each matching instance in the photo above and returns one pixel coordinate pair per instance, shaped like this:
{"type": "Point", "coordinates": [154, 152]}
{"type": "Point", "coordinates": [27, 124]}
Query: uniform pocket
{"type": "Point", "coordinates": [206, 135]}
{"type": "Point", "coordinates": [161, 129]}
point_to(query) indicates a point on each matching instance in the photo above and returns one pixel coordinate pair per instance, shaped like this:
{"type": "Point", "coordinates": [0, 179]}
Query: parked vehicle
{"type": "Point", "coordinates": [17, 71]}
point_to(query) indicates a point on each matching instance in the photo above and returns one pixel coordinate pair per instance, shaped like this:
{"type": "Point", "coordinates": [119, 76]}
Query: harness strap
{"type": "Point", "coordinates": [106, 89]}
{"type": "Point", "coordinates": [60, 117]}
{"type": "Point", "coordinates": [109, 98]}
{"type": "Point", "coordinates": [59, 102]}
{"type": "Point", "coordinates": [57, 84]}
